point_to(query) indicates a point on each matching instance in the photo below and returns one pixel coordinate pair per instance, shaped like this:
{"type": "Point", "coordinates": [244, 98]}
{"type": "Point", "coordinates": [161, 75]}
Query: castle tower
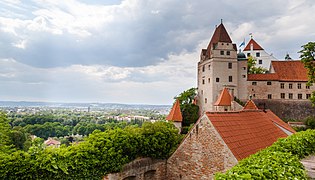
{"type": "Point", "coordinates": [217, 68]}
{"type": "Point", "coordinates": [175, 115]}
{"type": "Point", "coordinates": [255, 50]}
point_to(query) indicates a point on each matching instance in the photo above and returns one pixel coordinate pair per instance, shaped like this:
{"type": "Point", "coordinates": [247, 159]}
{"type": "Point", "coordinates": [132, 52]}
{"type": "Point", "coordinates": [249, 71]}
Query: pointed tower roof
{"type": "Point", "coordinates": [224, 99]}
{"type": "Point", "coordinates": [220, 35]}
{"type": "Point", "coordinates": [250, 105]}
{"type": "Point", "coordinates": [256, 46]}
{"type": "Point", "coordinates": [175, 113]}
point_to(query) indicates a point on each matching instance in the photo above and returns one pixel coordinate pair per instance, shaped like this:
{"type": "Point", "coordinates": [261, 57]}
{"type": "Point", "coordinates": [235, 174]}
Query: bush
{"type": "Point", "coordinates": [99, 154]}
{"type": "Point", "coordinates": [279, 161]}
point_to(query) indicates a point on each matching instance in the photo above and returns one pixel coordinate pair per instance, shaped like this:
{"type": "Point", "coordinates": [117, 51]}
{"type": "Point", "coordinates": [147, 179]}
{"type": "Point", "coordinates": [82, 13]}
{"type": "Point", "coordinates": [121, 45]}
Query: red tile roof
{"type": "Point", "coordinates": [224, 99]}
{"type": "Point", "coordinates": [246, 132]}
{"type": "Point", "coordinates": [275, 119]}
{"type": "Point", "coordinates": [250, 105]}
{"type": "Point", "coordinates": [175, 113]}
{"type": "Point", "coordinates": [284, 71]}
{"type": "Point", "coordinates": [256, 46]}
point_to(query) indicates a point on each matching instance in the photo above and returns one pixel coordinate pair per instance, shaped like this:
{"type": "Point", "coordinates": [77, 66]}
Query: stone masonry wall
{"type": "Point", "coordinates": [201, 154]}
{"type": "Point", "coordinates": [288, 109]}
{"type": "Point", "coordinates": [141, 169]}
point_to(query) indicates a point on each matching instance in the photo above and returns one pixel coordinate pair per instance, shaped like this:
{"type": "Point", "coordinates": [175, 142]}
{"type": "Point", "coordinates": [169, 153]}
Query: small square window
{"type": "Point", "coordinates": [299, 86]}
{"type": "Point", "coordinates": [268, 82]}
{"type": "Point", "coordinates": [299, 96]}
{"type": "Point", "coordinates": [260, 61]}
{"type": "Point", "coordinates": [282, 95]}
{"type": "Point", "coordinates": [290, 96]}
{"type": "Point", "coordinates": [217, 79]}
{"type": "Point", "coordinates": [230, 79]}
{"type": "Point", "coordinates": [244, 76]}
{"type": "Point", "coordinates": [244, 68]}
{"type": "Point", "coordinates": [269, 96]}
{"type": "Point", "coordinates": [307, 87]}
{"type": "Point", "coordinates": [222, 52]}
{"type": "Point", "coordinates": [254, 83]}
{"type": "Point", "coordinates": [308, 96]}
{"type": "Point", "coordinates": [248, 54]}
{"type": "Point", "coordinates": [228, 53]}
{"type": "Point", "coordinates": [257, 54]}
{"type": "Point", "coordinates": [230, 65]}
{"type": "Point", "coordinates": [282, 85]}
{"type": "Point", "coordinates": [290, 86]}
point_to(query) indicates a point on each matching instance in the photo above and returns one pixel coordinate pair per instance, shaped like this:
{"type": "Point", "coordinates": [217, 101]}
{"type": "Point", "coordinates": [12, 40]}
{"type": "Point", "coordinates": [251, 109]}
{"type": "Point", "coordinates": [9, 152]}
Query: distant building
{"type": "Point", "coordinates": [52, 142]}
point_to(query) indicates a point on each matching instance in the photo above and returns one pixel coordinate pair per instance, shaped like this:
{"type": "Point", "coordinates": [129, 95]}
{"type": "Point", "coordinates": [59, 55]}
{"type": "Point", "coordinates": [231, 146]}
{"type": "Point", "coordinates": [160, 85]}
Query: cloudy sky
{"type": "Point", "coordinates": [131, 51]}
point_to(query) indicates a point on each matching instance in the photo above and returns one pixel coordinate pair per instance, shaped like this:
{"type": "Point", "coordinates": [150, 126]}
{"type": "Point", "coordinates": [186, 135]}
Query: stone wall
{"type": "Point", "coordinates": [141, 169]}
{"type": "Point", "coordinates": [201, 154]}
{"type": "Point", "coordinates": [288, 109]}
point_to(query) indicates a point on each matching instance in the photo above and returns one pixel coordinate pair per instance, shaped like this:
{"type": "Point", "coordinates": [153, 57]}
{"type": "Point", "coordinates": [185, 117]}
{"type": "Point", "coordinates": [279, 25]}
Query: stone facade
{"type": "Point", "coordinates": [201, 154]}
{"type": "Point", "coordinates": [141, 169]}
{"type": "Point", "coordinates": [280, 90]}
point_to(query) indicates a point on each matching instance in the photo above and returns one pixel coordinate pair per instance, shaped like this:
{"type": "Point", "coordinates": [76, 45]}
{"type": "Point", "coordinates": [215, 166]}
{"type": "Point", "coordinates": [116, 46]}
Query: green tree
{"type": "Point", "coordinates": [251, 63]}
{"type": "Point", "coordinates": [5, 129]}
{"type": "Point", "coordinates": [20, 138]}
{"type": "Point", "coordinates": [189, 110]}
{"type": "Point", "coordinates": [308, 59]}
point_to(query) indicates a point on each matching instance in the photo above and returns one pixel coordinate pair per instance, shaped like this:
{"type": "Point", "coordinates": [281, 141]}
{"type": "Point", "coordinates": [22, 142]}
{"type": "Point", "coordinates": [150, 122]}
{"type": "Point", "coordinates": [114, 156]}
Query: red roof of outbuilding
{"type": "Point", "coordinates": [175, 113]}
{"type": "Point", "coordinates": [224, 99]}
{"type": "Point", "coordinates": [256, 46]}
{"type": "Point", "coordinates": [284, 71]}
{"type": "Point", "coordinates": [250, 105]}
{"type": "Point", "coordinates": [246, 132]}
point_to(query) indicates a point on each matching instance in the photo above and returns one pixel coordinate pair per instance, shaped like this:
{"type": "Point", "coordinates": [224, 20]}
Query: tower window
{"type": "Point", "coordinates": [282, 95]}
{"type": "Point", "coordinates": [203, 81]}
{"type": "Point", "coordinates": [209, 67]}
{"type": "Point", "coordinates": [290, 86]}
{"type": "Point", "coordinates": [269, 83]}
{"type": "Point", "coordinates": [208, 80]}
{"type": "Point", "coordinates": [282, 85]}
{"type": "Point", "coordinates": [290, 96]}
{"type": "Point", "coordinates": [257, 54]}
{"type": "Point", "coordinates": [299, 85]}
{"type": "Point", "coordinates": [230, 78]}
{"type": "Point", "coordinates": [244, 76]}
{"type": "Point", "coordinates": [230, 65]}
{"type": "Point", "coordinates": [217, 79]}
{"type": "Point", "coordinates": [206, 100]}
{"type": "Point", "coordinates": [228, 53]}
{"type": "Point", "coordinates": [269, 96]}
{"type": "Point", "coordinates": [244, 68]}
{"type": "Point", "coordinates": [299, 96]}
{"type": "Point", "coordinates": [203, 68]}
{"type": "Point", "coordinates": [222, 52]}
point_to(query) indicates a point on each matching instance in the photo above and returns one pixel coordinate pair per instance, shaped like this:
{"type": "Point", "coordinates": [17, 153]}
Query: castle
{"type": "Point", "coordinates": [227, 132]}
{"type": "Point", "coordinates": [221, 66]}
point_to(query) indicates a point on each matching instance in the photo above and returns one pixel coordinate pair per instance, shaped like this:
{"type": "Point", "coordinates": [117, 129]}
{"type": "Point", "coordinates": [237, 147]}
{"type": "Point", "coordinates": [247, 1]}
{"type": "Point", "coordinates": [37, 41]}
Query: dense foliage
{"type": "Point", "coordinates": [46, 125]}
{"type": "Point", "coordinates": [99, 154]}
{"type": "Point", "coordinates": [188, 108]}
{"type": "Point", "coordinates": [279, 161]}
{"type": "Point", "coordinates": [308, 59]}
